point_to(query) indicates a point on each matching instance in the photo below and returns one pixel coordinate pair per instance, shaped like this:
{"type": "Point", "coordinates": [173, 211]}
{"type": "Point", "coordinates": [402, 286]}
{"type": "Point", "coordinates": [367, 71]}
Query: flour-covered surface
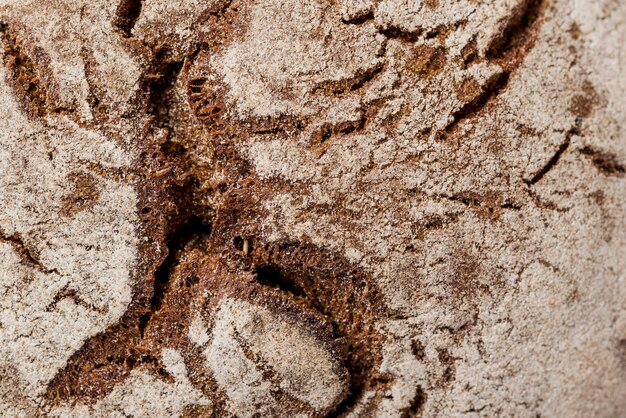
{"type": "Point", "coordinates": [358, 208]}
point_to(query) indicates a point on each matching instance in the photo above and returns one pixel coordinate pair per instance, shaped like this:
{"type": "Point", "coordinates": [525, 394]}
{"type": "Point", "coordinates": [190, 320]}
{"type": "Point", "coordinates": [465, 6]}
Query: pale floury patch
{"type": "Point", "coordinates": [304, 366]}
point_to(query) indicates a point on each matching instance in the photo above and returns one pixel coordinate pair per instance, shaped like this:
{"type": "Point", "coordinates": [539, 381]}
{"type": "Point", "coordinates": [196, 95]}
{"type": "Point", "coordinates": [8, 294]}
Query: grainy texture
{"type": "Point", "coordinates": [357, 208]}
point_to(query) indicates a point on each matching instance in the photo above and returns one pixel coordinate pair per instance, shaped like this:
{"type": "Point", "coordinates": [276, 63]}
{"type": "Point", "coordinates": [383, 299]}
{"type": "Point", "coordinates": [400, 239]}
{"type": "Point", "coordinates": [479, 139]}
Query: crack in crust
{"type": "Point", "coordinates": [553, 161]}
{"type": "Point", "coordinates": [128, 12]}
{"type": "Point", "coordinates": [508, 49]}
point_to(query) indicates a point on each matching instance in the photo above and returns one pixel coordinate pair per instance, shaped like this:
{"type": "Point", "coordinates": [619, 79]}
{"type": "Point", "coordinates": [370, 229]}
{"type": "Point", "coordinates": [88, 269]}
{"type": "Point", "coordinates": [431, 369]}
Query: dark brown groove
{"type": "Point", "coordinates": [554, 159]}
{"type": "Point", "coordinates": [192, 229]}
{"type": "Point", "coordinates": [368, 76]}
{"type": "Point", "coordinates": [516, 31]}
{"type": "Point", "coordinates": [108, 357]}
{"type": "Point", "coordinates": [127, 13]}
{"type": "Point", "coordinates": [491, 90]}
{"type": "Point", "coordinates": [350, 84]}
{"type": "Point", "coordinates": [359, 20]}
{"type": "Point", "coordinates": [347, 404]}
{"type": "Point", "coordinates": [394, 32]}
{"type": "Point", "coordinates": [119, 349]}
{"type": "Point", "coordinates": [164, 80]}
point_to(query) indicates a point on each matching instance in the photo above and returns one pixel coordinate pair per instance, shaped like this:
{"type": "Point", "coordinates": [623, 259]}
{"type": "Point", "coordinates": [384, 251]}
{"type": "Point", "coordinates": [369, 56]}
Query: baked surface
{"type": "Point", "coordinates": [364, 208]}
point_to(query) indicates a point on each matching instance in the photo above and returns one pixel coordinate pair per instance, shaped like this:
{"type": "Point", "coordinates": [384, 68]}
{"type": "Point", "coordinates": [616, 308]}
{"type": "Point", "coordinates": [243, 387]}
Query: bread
{"type": "Point", "coordinates": [356, 208]}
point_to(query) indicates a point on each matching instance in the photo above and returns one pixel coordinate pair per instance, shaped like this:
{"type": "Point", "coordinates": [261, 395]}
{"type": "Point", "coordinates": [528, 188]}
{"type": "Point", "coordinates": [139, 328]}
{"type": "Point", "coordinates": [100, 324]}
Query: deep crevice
{"type": "Point", "coordinates": [551, 163]}
{"type": "Point", "coordinates": [394, 32]}
{"type": "Point", "coordinates": [178, 241]}
{"type": "Point", "coordinates": [127, 12]}
{"type": "Point", "coordinates": [161, 83]}
{"type": "Point", "coordinates": [351, 84]}
{"type": "Point", "coordinates": [323, 136]}
{"type": "Point", "coordinates": [119, 349]}
{"type": "Point", "coordinates": [164, 79]}
{"type": "Point", "coordinates": [271, 276]}
{"type": "Point", "coordinates": [348, 403]}
{"type": "Point", "coordinates": [366, 77]}
{"type": "Point", "coordinates": [515, 32]}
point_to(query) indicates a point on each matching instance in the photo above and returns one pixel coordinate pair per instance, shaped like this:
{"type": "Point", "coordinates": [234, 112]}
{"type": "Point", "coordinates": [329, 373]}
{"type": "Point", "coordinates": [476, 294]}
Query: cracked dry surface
{"type": "Point", "coordinates": [357, 208]}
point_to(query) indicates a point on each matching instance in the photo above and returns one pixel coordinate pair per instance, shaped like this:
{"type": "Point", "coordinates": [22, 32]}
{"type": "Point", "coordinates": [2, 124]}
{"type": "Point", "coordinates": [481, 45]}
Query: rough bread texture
{"type": "Point", "coordinates": [312, 208]}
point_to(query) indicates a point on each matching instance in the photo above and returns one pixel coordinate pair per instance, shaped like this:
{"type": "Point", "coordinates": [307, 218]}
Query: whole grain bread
{"type": "Point", "coordinates": [310, 208]}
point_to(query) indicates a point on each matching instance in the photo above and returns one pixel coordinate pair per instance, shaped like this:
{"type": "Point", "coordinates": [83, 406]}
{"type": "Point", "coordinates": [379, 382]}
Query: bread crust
{"type": "Point", "coordinates": [365, 208]}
